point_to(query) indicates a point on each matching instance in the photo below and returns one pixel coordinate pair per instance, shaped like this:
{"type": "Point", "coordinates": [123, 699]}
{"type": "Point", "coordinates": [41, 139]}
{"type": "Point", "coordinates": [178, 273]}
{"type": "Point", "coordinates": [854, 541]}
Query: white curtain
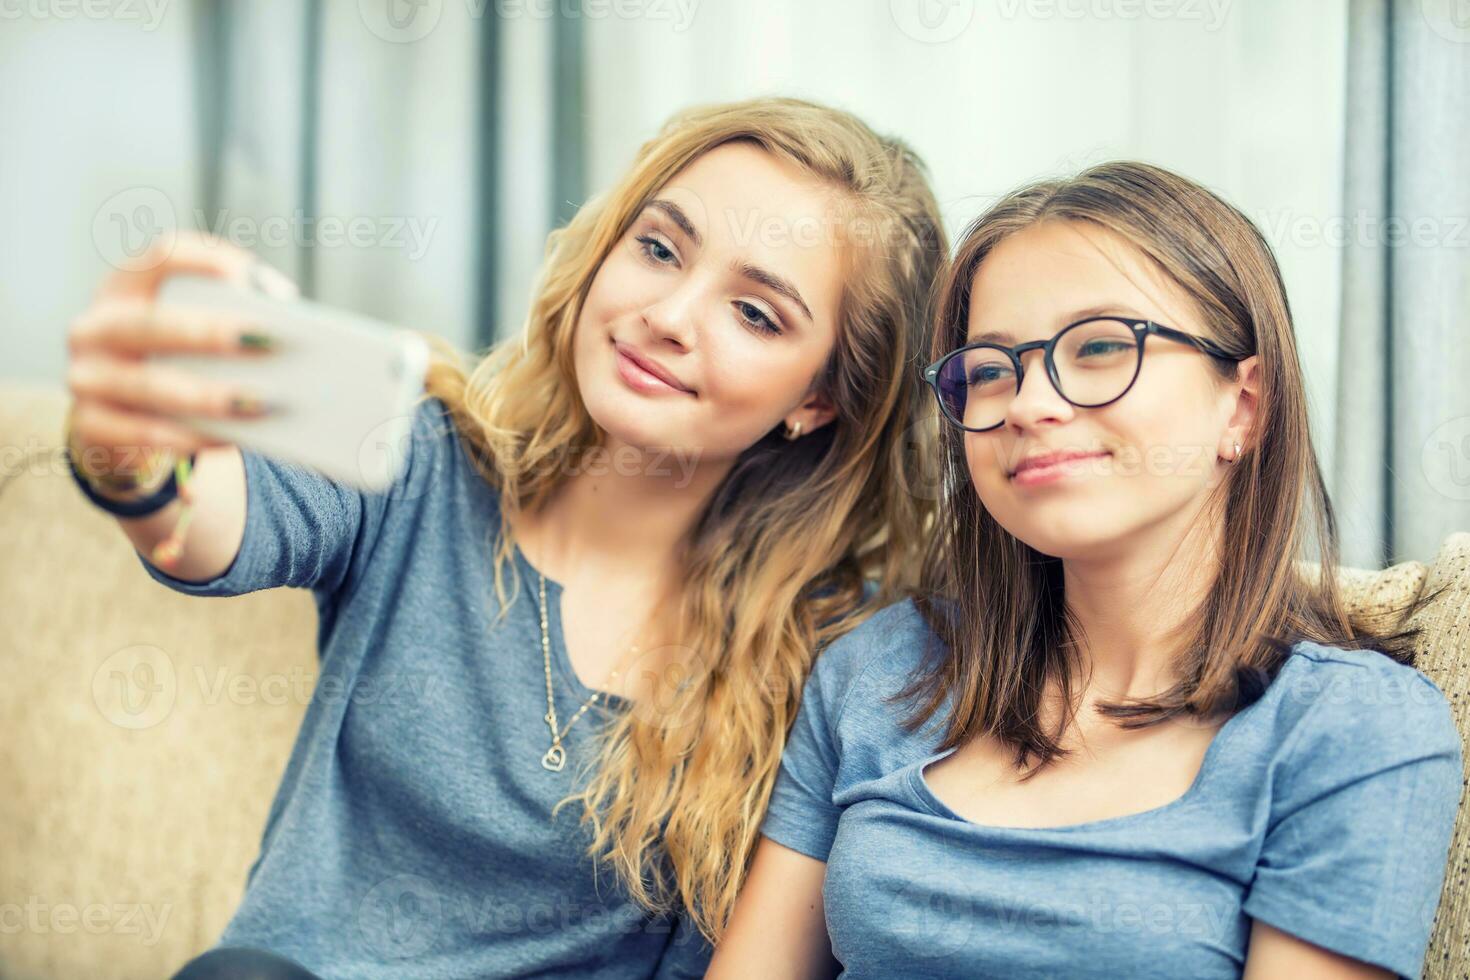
{"type": "Point", "coordinates": [346, 153]}
{"type": "Point", "coordinates": [1403, 466]}
{"type": "Point", "coordinates": [432, 144]}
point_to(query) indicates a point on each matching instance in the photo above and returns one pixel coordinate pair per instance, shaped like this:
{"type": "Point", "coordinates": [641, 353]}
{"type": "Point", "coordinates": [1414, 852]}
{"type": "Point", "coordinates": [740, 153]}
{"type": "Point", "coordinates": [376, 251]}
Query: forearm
{"type": "Point", "coordinates": [217, 527]}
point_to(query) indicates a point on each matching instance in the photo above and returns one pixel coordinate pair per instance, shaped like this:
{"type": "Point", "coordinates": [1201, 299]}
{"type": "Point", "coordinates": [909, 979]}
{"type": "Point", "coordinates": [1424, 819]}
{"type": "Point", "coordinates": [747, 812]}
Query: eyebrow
{"type": "Point", "coordinates": [772, 281]}
{"type": "Point", "coordinates": [745, 269]}
{"type": "Point", "coordinates": [1110, 309]}
{"type": "Point", "coordinates": [676, 214]}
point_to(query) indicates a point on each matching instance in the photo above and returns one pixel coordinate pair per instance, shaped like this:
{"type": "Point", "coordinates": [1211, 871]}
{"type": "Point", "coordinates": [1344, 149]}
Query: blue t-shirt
{"type": "Point", "coordinates": [1323, 809]}
{"type": "Point", "coordinates": [412, 833]}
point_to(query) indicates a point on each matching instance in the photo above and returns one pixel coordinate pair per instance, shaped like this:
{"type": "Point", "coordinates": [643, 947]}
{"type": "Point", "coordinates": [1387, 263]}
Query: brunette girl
{"type": "Point", "coordinates": [1129, 735]}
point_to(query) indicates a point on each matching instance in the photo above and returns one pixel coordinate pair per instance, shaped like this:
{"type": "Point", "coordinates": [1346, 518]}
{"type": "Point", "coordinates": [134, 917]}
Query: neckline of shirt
{"type": "Point", "coordinates": [932, 803]}
{"type": "Point", "coordinates": [561, 661]}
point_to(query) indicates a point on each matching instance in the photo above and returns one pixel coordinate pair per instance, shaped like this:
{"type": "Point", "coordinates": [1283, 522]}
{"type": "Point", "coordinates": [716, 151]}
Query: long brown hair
{"type": "Point", "coordinates": [777, 564]}
{"type": "Point", "coordinates": [997, 606]}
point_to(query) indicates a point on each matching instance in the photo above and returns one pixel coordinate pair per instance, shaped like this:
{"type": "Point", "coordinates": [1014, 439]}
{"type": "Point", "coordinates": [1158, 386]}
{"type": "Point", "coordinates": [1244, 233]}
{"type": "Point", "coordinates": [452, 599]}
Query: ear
{"type": "Point", "coordinates": [1243, 418]}
{"type": "Point", "coordinates": [815, 411]}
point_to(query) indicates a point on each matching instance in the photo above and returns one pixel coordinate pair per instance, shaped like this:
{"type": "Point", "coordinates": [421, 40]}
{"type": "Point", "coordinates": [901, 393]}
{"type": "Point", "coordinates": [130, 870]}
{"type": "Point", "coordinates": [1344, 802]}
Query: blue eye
{"type": "Point", "coordinates": [1101, 348]}
{"type": "Point", "coordinates": [655, 250]}
{"type": "Point", "coordinates": [752, 317]}
{"type": "Point", "coordinates": [986, 374]}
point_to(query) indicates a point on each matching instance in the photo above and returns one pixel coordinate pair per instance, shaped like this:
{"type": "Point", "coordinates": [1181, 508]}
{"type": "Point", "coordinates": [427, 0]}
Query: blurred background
{"type": "Point", "coordinates": [406, 158]}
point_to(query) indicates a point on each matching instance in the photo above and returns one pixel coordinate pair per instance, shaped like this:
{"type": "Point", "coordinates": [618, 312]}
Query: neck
{"type": "Point", "coordinates": [624, 510]}
{"type": "Point", "coordinates": [1131, 603]}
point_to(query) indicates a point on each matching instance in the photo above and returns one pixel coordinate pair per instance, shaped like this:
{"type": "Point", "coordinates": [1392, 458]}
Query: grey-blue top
{"type": "Point", "coordinates": [412, 835]}
{"type": "Point", "coordinates": [1323, 809]}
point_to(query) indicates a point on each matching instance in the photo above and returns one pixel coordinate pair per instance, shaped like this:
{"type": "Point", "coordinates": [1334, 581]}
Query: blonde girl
{"type": "Point", "coordinates": [586, 610]}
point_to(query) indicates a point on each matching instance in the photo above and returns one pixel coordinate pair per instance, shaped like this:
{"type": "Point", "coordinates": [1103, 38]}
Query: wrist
{"type": "Point", "coordinates": [121, 484]}
{"type": "Point", "coordinates": [128, 494]}
{"type": "Point", "coordinates": [141, 501]}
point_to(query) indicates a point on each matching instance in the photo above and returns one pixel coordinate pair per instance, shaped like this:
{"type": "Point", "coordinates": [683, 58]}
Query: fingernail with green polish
{"type": "Point", "coordinates": [256, 341]}
{"type": "Point", "coordinates": [245, 405]}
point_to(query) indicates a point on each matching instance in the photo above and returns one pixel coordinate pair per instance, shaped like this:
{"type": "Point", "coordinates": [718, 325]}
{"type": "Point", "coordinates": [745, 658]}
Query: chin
{"type": "Point", "coordinates": [625, 420]}
{"type": "Point", "coordinates": [1068, 547]}
{"type": "Point", "coordinates": [1064, 529]}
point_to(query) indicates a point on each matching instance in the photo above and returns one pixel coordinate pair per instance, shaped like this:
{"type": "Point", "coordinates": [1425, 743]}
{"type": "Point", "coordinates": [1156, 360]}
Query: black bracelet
{"type": "Point", "coordinates": [153, 503]}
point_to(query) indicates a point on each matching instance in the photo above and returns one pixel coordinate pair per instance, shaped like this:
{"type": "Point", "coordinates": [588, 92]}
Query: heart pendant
{"type": "Point", "coordinates": [555, 758]}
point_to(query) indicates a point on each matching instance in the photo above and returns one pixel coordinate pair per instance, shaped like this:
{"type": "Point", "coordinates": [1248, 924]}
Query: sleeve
{"type": "Point", "coordinates": [801, 814]}
{"type": "Point", "coordinates": [687, 955]}
{"type": "Point", "coordinates": [302, 530]}
{"type": "Point", "coordinates": [1362, 811]}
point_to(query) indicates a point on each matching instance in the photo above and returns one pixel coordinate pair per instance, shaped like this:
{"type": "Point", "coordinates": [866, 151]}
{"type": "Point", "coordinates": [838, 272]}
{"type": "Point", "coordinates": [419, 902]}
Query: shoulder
{"type": "Point", "coordinates": [437, 453]}
{"type": "Point", "coordinates": [1357, 707]}
{"type": "Point", "coordinates": [874, 660]}
{"type": "Point", "coordinates": [1335, 682]}
{"type": "Point", "coordinates": [433, 424]}
{"type": "Point", "coordinates": [429, 432]}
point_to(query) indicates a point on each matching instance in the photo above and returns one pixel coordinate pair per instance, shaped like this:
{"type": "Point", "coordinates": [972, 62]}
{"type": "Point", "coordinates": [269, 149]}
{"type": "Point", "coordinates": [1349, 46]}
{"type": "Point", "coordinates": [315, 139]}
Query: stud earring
{"type": "Point", "coordinates": [794, 432]}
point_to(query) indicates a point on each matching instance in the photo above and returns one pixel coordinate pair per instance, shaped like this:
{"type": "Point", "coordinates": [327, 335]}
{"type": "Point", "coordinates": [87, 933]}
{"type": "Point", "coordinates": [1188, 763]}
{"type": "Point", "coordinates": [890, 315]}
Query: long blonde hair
{"type": "Point", "coordinates": [777, 563]}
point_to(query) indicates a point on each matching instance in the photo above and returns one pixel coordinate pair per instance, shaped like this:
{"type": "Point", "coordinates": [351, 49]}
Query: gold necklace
{"type": "Point", "coordinates": [556, 756]}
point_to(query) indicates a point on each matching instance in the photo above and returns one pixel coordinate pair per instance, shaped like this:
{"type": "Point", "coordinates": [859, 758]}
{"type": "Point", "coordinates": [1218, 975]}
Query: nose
{"type": "Point", "coordinates": [672, 319]}
{"type": "Point", "coordinates": [1038, 402]}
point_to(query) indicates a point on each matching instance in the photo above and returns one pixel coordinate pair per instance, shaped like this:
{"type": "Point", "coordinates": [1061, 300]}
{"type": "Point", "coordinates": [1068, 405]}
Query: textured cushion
{"type": "Point", "coordinates": [1444, 654]}
{"type": "Point", "coordinates": [145, 731]}
{"type": "Point", "coordinates": [134, 778]}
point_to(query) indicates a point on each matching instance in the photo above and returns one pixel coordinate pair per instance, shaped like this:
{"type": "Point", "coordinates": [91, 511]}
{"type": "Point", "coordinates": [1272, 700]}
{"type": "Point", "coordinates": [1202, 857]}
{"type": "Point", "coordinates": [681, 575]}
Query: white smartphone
{"type": "Point", "coordinates": [343, 386]}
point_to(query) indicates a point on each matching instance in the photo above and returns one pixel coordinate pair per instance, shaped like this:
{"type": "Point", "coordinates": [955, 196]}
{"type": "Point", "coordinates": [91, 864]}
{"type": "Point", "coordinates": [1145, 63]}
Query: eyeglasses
{"type": "Point", "coordinates": [1091, 363]}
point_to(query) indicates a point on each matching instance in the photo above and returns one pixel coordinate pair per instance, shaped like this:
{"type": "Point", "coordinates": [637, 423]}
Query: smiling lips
{"type": "Point", "coordinates": [645, 375]}
{"type": "Point", "coordinates": [1043, 468]}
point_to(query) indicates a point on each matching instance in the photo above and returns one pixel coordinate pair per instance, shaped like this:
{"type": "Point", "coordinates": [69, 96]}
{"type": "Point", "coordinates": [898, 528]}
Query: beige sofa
{"type": "Point", "coordinates": [144, 731]}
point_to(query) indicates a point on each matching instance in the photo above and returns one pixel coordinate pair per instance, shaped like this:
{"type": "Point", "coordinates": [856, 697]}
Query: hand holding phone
{"type": "Point", "coordinates": [340, 387]}
{"type": "Point", "coordinates": [125, 410]}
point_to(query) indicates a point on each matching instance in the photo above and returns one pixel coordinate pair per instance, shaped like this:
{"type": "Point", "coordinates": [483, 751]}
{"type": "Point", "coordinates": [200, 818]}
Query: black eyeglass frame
{"type": "Point", "coordinates": [1142, 330]}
